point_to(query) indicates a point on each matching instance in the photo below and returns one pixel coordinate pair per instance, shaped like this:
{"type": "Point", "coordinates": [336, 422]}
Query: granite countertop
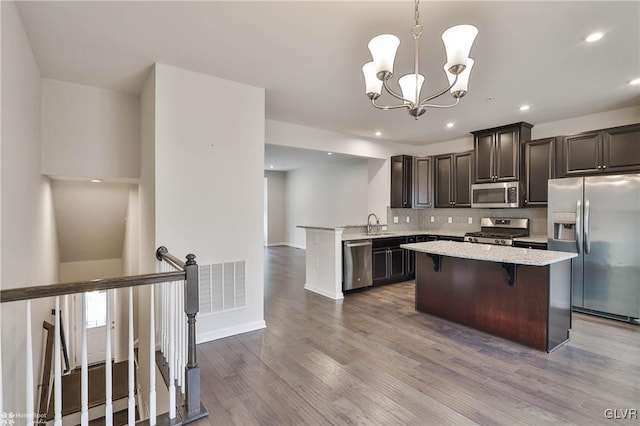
{"type": "Point", "coordinates": [391, 234]}
{"type": "Point", "coordinates": [491, 253]}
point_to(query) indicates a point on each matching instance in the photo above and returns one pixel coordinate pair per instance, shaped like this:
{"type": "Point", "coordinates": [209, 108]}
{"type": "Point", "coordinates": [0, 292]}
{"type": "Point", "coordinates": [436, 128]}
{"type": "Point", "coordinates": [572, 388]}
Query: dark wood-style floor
{"type": "Point", "coordinates": [372, 359]}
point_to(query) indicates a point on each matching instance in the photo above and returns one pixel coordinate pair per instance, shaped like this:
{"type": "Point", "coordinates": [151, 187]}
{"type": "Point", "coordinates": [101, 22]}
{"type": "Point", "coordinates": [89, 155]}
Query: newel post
{"type": "Point", "coordinates": [191, 306]}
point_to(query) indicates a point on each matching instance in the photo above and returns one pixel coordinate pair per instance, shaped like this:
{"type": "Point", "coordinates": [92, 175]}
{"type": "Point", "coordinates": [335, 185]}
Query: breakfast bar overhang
{"type": "Point", "coordinates": [520, 294]}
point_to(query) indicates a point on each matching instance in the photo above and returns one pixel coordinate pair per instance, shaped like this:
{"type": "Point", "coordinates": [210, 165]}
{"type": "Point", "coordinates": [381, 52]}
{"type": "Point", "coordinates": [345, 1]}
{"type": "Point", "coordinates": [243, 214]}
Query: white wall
{"type": "Point", "coordinates": [331, 194]}
{"type": "Point", "coordinates": [90, 270]}
{"type": "Point", "coordinates": [130, 247]}
{"type": "Point", "coordinates": [276, 209]}
{"type": "Point", "coordinates": [210, 181]}
{"type": "Point", "coordinates": [102, 127]}
{"type": "Point", "coordinates": [29, 248]}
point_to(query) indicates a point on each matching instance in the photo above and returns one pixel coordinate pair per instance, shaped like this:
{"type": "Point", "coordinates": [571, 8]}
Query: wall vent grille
{"type": "Point", "coordinates": [222, 286]}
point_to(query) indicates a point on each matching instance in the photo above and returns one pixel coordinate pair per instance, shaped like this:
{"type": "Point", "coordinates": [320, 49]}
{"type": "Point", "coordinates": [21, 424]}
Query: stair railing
{"type": "Point", "coordinates": [183, 276]}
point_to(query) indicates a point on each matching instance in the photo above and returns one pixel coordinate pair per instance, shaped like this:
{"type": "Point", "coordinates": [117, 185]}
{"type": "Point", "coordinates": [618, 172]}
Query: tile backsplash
{"type": "Point", "coordinates": [420, 219]}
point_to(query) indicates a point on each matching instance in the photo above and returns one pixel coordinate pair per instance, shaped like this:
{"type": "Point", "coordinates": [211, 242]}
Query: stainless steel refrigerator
{"type": "Point", "coordinates": [599, 219]}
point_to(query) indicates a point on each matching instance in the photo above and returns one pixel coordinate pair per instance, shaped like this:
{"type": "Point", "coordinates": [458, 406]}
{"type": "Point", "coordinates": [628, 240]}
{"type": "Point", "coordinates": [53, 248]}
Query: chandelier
{"type": "Point", "coordinates": [457, 43]}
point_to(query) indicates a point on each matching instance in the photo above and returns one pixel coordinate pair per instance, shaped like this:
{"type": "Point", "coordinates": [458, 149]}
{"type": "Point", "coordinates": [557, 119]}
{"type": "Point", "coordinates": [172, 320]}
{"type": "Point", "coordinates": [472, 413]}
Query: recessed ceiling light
{"type": "Point", "coordinates": [449, 125]}
{"type": "Point", "coordinates": [96, 180]}
{"type": "Point", "coordinates": [378, 133]}
{"type": "Point", "coordinates": [635, 81]}
{"type": "Point", "coordinates": [329, 153]}
{"type": "Point", "coordinates": [524, 108]}
{"type": "Point", "coordinates": [271, 167]}
{"type": "Point", "coordinates": [593, 37]}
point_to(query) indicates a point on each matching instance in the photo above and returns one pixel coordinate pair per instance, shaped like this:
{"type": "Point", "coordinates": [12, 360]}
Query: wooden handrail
{"type": "Point", "coordinates": [60, 289]}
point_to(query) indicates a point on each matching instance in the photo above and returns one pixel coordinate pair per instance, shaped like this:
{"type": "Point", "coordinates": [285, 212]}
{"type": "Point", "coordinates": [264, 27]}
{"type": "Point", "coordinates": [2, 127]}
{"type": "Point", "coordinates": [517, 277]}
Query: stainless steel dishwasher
{"type": "Point", "coordinates": [356, 270]}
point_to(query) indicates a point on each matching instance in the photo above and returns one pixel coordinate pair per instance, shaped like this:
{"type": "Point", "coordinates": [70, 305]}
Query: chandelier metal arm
{"type": "Point", "coordinates": [440, 106]}
{"type": "Point", "coordinates": [395, 95]}
{"type": "Point", "coordinates": [424, 101]}
{"type": "Point", "coordinates": [388, 107]}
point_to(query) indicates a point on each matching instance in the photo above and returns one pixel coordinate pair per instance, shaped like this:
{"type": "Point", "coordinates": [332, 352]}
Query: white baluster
{"type": "Point", "coordinates": [165, 322]}
{"type": "Point", "coordinates": [179, 342]}
{"type": "Point", "coordinates": [132, 399]}
{"type": "Point", "coordinates": [84, 374]}
{"type": "Point", "coordinates": [152, 360]}
{"type": "Point", "coordinates": [108, 410]}
{"type": "Point", "coordinates": [57, 371]}
{"type": "Point", "coordinates": [172, 367]}
{"type": "Point", "coordinates": [29, 376]}
{"type": "Point", "coordinates": [183, 324]}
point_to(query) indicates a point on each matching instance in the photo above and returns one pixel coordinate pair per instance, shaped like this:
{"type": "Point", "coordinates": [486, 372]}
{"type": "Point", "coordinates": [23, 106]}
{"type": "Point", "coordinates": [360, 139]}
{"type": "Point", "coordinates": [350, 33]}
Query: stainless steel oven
{"type": "Point", "coordinates": [496, 195]}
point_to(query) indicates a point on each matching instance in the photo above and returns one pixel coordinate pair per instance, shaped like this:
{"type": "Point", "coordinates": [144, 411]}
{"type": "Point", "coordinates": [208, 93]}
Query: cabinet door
{"type": "Point", "coordinates": [422, 182]}
{"type": "Point", "coordinates": [396, 263]}
{"type": "Point", "coordinates": [444, 167]}
{"type": "Point", "coordinates": [582, 154]}
{"type": "Point", "coordinates": [539, 167]}
{"type": "Point", "coordinates": [407, 178]}
{"type": "Point", "coordinates": [621, 149]}
{"type": "Point", "coordinates": [397, 174]}
{"type": "Point", "coordinates": [379, 265]}
{"type": "Point", "coordinates": [507, 156]}
{"type": "Point", "coordinates": [462, 179]}
{"type": "Point", "coordinates": [484, 147]}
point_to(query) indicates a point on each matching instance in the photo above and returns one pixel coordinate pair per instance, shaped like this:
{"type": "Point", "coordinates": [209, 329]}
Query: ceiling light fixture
{"type": "Point", "coordinates": [457, 43]}
{"type": "Point", "coordinates": [271, 167]}
{"type": "Point", "coordinates": [96, 180]}
{"type": "Point", "coordinates": [329, 153]}
{"type": "Point", "coordinates": [593, 37]}
{"type": "Point", "coordinates": [635, 81]}
{"type": "Point", "coordinates": [524, 108]}
{"type": "Point", "coordinates": [378, 133]}
{"type": "Point", "coordinates": [449, 125]}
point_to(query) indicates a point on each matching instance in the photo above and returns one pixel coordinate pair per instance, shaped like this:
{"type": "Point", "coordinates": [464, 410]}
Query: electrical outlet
{"type": "Point", "coordinates": [449, 219]}
{"type": "Point", "coordinates": [395, 219]}
{"type": "Point", "coordinates": [433, 219]}
{"type": "Point", "coordinates": [407, 219]}
{"type": "Point", "coordinates": [470, 221]}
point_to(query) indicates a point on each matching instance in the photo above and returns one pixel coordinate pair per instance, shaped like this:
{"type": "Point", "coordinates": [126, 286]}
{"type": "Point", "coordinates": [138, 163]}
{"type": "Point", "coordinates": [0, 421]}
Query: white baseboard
{"type": "Point", "coordinates": [323, 292]}
{"type": "Point", "coordinates": [275, 244]}
{"type": "Point", "coordinates": [230, 331]}
{"type": "Point", "coordinates": [295, 246]}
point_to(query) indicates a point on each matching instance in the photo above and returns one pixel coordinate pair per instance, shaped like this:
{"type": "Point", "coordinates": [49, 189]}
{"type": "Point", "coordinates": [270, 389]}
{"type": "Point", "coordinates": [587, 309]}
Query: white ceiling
{"type": "Point", "coordinates": [308, 55]}
{"type": "Point", "coordinates": [90, 219]}
{"type": "Point", "coordinates": [284, 158]}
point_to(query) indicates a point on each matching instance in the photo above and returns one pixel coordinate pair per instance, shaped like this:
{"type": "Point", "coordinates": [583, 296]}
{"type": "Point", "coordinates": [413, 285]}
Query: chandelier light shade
{"type": "Point", "coordinates": [459, 88]}
{"type": "Point", "coordinates": [383, 50]}
{"type": "Point", "coordinates": [458, 41]}
{"type": "Point", "coordinates": [408, 85]}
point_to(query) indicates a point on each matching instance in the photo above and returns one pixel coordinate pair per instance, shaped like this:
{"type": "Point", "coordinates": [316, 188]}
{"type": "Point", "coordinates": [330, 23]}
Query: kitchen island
{"type": "Point", "coordinates": [519, 294]}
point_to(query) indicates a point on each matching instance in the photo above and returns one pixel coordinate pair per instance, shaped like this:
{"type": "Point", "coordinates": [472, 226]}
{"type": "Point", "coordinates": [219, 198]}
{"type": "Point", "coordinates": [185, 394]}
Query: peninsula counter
{"type": "Point", "coordinates": [520, 294]}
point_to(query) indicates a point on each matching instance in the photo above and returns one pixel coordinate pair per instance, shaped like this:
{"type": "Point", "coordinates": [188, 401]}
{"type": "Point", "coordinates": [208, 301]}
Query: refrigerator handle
{"type": "Point", "coordinates": [578, 227]}
{"type": "Point", "coordinates": [587, 242]}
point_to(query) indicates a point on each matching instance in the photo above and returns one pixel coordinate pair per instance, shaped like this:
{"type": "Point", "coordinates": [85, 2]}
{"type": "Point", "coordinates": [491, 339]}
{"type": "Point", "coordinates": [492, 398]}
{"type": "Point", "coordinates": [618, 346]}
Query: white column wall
{"type": "Point", "coordinates": [27, 230]}
{"type": "Point", "coordinates": [276, 214]}
{"type": "Point", "coordinates": [100, 126]}
{"type": "Point", "coordinates": [209, 146]}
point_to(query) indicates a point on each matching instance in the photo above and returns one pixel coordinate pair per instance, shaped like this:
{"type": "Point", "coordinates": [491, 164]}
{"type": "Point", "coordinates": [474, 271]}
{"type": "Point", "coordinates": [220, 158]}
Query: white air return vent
{"type": "Point", "coordinates": [222, 286]}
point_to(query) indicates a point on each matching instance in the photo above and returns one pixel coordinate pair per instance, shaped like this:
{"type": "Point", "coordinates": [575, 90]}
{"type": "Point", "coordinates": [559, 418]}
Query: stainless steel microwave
{"type": "Point", "coordinates": [501, 195]}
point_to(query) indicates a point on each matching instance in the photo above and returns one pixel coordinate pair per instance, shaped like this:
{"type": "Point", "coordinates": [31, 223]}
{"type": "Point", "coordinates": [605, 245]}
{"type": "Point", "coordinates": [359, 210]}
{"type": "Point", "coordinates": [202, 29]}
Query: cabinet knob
{"type": "Point", "coordinates": [604, 167]}
{"type": "Point", "coordinates": [525, 201]}
{"type": "Point", "coordinates": [599, 167]}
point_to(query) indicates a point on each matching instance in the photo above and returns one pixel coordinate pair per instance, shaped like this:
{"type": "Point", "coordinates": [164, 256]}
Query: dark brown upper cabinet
{"type": "Point", "coordinates": [614, 150]}
{"type": "Point", "coordinates": [539, 167]}
{"type": "Point", "coordinates": [498, 152]}
{"type": "Point", "coordinates": [453, 173]}
{"type": "Point", "coordinates": [401, 179]}
{"type": "Point", "coordinates": [422, 182]}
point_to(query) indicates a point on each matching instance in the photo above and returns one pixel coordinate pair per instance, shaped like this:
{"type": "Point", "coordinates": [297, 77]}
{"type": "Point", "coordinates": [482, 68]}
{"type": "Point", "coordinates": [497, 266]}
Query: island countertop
{"type": "Point", "coordinates": [491, 253]}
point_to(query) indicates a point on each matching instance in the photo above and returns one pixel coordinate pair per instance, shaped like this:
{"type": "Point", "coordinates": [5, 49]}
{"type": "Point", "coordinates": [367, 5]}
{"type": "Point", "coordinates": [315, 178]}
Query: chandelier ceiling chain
{"type": "Point", "coordinates": [457, 40]}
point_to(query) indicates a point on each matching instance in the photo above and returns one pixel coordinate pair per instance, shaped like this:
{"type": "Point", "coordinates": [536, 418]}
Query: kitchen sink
{"type": "Point", "coordinates": [377, 234]}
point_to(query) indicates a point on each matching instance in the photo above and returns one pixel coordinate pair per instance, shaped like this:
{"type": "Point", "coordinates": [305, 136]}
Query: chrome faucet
{"type": "Point", "coordinates": [369, 222]}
